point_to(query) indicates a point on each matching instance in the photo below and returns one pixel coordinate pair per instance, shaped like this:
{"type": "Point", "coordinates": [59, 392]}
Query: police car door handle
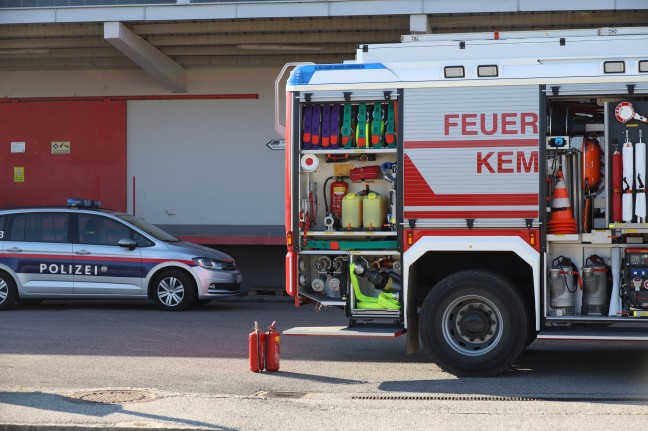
{"type": "Point", "coordinates": [82, 252]}
{"type": "Point", "coordinates": [14, 250]}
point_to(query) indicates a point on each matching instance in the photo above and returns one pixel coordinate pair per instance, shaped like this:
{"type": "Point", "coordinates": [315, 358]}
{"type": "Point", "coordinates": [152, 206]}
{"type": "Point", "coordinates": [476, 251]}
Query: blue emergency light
{"type": "Point", "coordinates": [83, 203]}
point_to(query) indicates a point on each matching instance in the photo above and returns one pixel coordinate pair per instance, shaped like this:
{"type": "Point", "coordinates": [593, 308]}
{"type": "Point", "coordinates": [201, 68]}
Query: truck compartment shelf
{"type": "Point", "coordinates": [324, 300]}
{"type": "Point", "coordinates": [349, 233]}
{"type": "Point", "coordinates": [351, 151]}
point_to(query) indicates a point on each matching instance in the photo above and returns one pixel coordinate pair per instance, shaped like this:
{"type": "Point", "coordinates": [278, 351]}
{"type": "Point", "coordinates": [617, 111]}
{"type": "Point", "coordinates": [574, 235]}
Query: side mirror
{"type": "Point", "coordinates": [127, 243]}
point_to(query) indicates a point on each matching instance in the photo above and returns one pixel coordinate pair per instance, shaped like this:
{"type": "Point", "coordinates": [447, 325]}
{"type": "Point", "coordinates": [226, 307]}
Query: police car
{"type": "Point", "coordinates": [82, 251]}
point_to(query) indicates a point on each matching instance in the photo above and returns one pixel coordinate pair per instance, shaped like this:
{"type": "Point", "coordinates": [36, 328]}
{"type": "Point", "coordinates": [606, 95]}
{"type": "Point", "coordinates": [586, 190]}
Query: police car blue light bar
{"type": "Point", "coordinates": [83, 203]}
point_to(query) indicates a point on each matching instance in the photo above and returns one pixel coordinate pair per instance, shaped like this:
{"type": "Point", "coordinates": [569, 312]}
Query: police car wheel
{"type": "Point", "coordinates": [173, 290]}
{"type": "Point", "coordinates": [7, 291]}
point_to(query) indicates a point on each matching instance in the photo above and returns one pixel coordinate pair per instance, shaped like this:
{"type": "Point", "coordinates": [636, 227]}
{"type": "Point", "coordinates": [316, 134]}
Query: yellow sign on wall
{"type": "Point", "coordinates": [19, 174]}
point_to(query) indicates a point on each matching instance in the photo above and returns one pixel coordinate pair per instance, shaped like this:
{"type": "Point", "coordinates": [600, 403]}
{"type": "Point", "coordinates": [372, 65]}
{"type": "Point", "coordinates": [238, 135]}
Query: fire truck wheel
{"type": "Point", "coordinates": [473, 323]}
{"type": "Point", "coordinates": [7, 291]}
{"type": "Point", "coordinates": [173, 291]}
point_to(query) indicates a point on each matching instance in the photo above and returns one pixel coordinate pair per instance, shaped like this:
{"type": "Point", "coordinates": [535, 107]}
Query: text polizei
{"type": "Point", "coordinates": [69, 269]}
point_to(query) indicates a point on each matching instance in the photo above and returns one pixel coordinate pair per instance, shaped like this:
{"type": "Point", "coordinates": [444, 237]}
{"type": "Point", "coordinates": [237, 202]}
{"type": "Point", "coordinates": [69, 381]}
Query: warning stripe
{"type": "Point", "coordinates": [471, 214]}
{"type": "Point", "coordinates": [476, 143]}
{"type": "Point", "coordinates": [419, 193]}
{"type": "Point", "coordinates": [473, 200]}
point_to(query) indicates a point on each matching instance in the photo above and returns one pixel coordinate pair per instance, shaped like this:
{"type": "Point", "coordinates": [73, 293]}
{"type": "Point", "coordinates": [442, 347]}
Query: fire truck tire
{"type": "Point", "coordinates": [473, 323]}
{"type": "Point", "coordinates": [8, 294]}
{"type": "Point", "coordinates": [173, 291]}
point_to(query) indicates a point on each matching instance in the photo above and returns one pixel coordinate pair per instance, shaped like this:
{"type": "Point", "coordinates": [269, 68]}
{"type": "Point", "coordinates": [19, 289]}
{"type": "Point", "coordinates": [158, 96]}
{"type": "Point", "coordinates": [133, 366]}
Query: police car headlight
{"type": "Point", "coordinates": [209, 263]}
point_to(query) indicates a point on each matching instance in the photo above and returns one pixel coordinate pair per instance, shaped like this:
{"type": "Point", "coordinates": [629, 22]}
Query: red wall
{"type": "Point", "coordinates": [95, 168]}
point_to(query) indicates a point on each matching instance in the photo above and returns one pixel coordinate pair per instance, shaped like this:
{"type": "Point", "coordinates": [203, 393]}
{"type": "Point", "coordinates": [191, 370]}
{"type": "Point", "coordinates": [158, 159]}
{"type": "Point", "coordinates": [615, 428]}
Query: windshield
{"type": "Point", "coordinates": [147, 227]}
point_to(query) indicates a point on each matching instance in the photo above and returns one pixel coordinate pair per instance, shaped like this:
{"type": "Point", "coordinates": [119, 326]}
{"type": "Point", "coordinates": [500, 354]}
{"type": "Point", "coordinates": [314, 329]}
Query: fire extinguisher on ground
{"type": "Point", "coordinates": [272, 348]}
{"type": "Point", "coordinates": [263, 349]}
{"type": "Point", "coordinates": [256, 347]}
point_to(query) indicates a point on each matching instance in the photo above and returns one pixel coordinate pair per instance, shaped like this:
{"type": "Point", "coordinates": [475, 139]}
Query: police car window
{"type": "Point", "coordinates": [40, 227]}
{"type": "Point", "coordinates": [3, 236]}
{"type": "Point", "coordinates": [101, 230]}
{"type": "Point", "coordinates": [18, 229]}
{"type": "Point", "coordinates": [148, 228]}
{"type": "Point", "coordinates": [141, 241]}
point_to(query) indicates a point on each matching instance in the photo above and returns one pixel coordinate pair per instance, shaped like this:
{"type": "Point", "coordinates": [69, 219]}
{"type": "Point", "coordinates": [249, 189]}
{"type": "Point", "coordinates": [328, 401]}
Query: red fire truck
{"type": "Point", "coordinates": [473, 191]}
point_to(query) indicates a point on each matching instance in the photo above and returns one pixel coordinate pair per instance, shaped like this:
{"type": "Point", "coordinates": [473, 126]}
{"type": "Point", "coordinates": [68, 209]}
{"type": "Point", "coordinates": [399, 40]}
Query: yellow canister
{"type": "Point", "coordinates": [374, 211]}
{"type": "Point", "coordinates": [351, 211]}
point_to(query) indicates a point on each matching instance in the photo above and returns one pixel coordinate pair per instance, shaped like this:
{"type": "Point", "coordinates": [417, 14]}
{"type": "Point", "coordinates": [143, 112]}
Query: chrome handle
{"type": "Point", "coordinates": [82, 252]}
{"type": "Point", "coordinates": [14, 250]}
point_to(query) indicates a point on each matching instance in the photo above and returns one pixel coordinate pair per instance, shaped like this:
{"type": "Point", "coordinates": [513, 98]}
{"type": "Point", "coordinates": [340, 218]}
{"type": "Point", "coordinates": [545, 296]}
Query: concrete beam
{"type": "Point", "coordinates": [166, 71]}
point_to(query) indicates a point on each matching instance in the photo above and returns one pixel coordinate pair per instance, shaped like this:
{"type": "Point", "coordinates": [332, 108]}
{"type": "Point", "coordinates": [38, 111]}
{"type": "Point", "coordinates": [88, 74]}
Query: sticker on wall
{"type": "Point", "coordinates": [19, 174]}
{"type": "Point", "coordinates": [60, 147]}
{"type": "Point", "coordinates": [17, 147]}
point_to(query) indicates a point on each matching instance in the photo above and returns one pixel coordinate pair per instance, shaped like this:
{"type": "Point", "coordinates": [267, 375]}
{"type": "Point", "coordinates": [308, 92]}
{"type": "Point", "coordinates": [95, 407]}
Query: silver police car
{"type": "Point", "coordinates": [82, 251]}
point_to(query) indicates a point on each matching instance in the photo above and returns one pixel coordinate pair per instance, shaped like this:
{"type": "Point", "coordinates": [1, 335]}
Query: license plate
{"type": "Point", "coordinates": [239, 278]}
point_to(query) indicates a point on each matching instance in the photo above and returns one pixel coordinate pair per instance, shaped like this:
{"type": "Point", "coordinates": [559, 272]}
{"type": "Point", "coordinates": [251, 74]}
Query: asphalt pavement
{"type": "Point", "coordinates": [80, 366]}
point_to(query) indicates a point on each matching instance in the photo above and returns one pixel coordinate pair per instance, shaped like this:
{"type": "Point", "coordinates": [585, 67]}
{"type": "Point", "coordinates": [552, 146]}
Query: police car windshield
{"type": "Point", "coordinates": [147, 227]}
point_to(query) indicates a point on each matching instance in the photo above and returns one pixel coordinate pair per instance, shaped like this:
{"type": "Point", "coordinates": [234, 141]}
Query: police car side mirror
{"type": "Point", "coordinates": [127, 243]}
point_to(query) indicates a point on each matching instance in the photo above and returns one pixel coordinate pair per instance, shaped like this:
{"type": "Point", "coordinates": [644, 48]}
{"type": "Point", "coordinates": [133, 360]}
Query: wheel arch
{"type": "Point", "coordinates": [169, 266]}
{"type": "Point", "coordinates": [13, 275]}
{"type": "Point", "coordinates": [8, 290]}
{"type": "Point", "coordinates": [452, 254]}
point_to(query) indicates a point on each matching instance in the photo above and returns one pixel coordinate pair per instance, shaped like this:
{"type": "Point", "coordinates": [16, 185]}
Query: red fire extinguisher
{"type": "Point", "coordinates": [272, 348]}
{"type": "Point", "coordinates": [256, 344]}
{"type": "Point", "coordinates": [339, 189]}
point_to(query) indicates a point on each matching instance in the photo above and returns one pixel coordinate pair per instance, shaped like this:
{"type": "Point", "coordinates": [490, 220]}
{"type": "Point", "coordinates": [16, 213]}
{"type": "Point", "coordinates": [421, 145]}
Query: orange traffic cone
{"type": "Point", "coordinates": [562, 220]}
